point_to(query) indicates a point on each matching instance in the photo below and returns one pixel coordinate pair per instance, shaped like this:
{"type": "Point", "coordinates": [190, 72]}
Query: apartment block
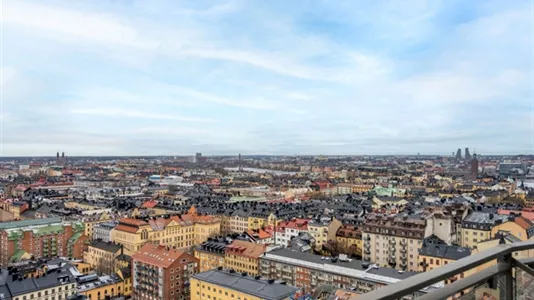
{"type": "Point", "coordinates": [41, 238]}
{"type": "Point", "coordinates": [243, 256]}
{"type": "Point", "coordinates": [228, 284]}
{"type": "Point", "coordinates": [308, 272]}
{"type": "Point", "coordinates": [159, 272]}
{"type": "Point", "coordinates": [393, 241]}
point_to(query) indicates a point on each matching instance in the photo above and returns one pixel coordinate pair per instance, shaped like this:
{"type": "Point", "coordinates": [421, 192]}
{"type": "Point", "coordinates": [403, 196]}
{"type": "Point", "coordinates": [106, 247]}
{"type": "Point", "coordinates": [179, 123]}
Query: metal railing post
{"type": "Point", "coordinates": [507, 290]}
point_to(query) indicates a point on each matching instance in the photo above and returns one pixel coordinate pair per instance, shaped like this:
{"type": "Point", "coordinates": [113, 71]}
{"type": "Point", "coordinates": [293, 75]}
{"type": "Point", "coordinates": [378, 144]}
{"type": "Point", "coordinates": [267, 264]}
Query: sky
{"type": "Point", "coordinates": [330, 77]}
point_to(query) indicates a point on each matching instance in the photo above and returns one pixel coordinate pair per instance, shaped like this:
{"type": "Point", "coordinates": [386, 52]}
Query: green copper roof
{"type": "Point", "coordinates": [17, 255]}
{"type": "Point", "coordinates": [74, 238]}
{"type": "Point", "coordinates": [26, 223]}
{"type": "Point", "coordinates": [52, 229]}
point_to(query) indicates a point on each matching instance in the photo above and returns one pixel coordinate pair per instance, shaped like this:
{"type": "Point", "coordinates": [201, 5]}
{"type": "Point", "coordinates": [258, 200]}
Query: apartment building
{"type": "Point", "coordinates": [289, 229]}
{"type": "Point", "coordinates": [41, 238]}
{"type": "Point", "coordinates": [323, 229]}
{"type": "Point", "coordinates": [308, 272]}
{"type": "Point", "coordinates": [159, 272]}
{"type": "Point", "coordinates": [349, 240]}
{"type": "Point", "coordinates": [393, 241]}
{"type": "Point", "coordinates": [102, 231]}
{"type": "Point", "coordinates": [177, 232]}
{"type": "Point", "coordinates": [56, 285]}
{"type": "Point", "coordinates": [260, 219]}
{"type": "Point", "coordinates": [101, 256]}
{"type": "Point", "coordinates": [93, 220]}
{"type": "Point", "coordinates": [433, 256]}
{"type": "Point", "coordinates": [477, 227]}
{"type": "Point", "coordinates": [239, 221]}
{"type": "Point", "coordinates": [211, 253]}
{"type": "Point", "coordinates": [230, 285]}
{"type": "Point", "coordinates": [243, 256]}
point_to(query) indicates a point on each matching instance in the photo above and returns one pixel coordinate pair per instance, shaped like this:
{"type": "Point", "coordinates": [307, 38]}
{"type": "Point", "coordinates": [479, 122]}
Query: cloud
{"type": "Point", "coordinates": [118, 112]}
{"type": "Point", "coordinates": [329, 77]}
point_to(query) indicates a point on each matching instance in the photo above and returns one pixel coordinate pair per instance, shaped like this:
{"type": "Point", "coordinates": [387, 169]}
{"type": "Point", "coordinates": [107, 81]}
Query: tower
{"type": "Point", "coordinates": [459, 154]}
{"type": "Point", "coordinates": [467, 154]}
{"type": "Point", "coordinates": [474, 167]}
{"type": "Point", "coordinates": [239, 167]}
{"type": "Point", "coordinates": [57, 158]}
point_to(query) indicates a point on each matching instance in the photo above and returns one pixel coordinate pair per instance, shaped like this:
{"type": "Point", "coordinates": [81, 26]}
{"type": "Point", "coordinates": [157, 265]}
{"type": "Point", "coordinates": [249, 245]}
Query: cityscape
{"type": "Point", "coordinates": [266, 150]}
{"type": "Point", "coordinates": [291, 227]}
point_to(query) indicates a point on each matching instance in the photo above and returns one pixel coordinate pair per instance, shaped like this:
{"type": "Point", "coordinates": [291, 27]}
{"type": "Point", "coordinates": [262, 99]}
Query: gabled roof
{"type": "Point", "coordinates": [160, 256]}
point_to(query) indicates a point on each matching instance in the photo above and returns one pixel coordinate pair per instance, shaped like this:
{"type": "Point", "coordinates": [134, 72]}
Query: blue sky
{"type": "Point", "coordinates": [133, 77]}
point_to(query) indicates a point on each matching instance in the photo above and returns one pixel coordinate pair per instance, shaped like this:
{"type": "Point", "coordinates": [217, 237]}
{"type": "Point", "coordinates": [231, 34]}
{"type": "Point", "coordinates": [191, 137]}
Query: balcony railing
{"type": "Point", "coordinates": [509, 277]}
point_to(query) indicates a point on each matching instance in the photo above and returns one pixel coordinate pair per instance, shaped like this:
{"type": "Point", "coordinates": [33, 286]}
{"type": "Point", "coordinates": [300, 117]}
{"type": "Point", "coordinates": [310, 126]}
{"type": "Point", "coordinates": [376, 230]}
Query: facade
{"type": "Point", "coordinates": [349, 240]}
{"type": "Point", "coordinates": [393, 241]}
{"type": "Point", "coordinates": [101, 256]}
{"type": "Point", "coordinates": [47, 287]}
{"type": "Point", "coordinates": [477, 227]}
{"type": "Point", "coordinates": [159, 272]}
{"type": "Point", "coordinates": [211, 254]}
{"type": "Point", "coordinates": [323, 230]}
{"type": "Point", "coordinates": [102, 287]}
{"type": "Point", "coordinates": [308, 272]}
{"type": "Point", "coordinates": [290, 229]}
{"type": "Point", "coordinates": [177, 232]}
{"type": "Point", "coordinates": [238, 222]}
{"type": "Point", "coordinates": [92, 221]}
{"type": "Point", "coordinates": [243, 256]}
{"type": "Point", "coordinates": [102, 231]}
{"type": "Point", "coordinates": [222, 284]}
{"type": "Point", "coordinates": [433, 256]}
{"type": "Point", "coordinates": [41, 238]}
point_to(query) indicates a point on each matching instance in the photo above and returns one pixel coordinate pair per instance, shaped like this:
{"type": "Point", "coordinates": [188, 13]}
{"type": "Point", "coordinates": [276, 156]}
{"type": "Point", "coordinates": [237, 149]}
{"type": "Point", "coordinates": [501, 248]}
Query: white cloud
{"type": "Point", "coordinates": [119, 112]}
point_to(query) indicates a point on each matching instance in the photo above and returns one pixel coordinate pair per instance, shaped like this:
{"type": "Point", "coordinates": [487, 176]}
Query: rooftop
{"type": "Point", "coordinates": [262, 289]}
{"type": "Point", "coordinates": [160, 256]}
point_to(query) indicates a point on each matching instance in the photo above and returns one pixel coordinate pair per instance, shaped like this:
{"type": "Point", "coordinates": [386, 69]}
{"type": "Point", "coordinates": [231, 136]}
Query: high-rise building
{"type": "Point", "coordinates": [467, 155]}
{"type": "Point", "coordinates": [459, 154]}
{"type": "Point", "coordinates": [474, 167]}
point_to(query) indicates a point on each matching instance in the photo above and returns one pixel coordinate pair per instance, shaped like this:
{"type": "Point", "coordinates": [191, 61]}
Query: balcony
{"type": "Point", "coordinates": [508, 278]}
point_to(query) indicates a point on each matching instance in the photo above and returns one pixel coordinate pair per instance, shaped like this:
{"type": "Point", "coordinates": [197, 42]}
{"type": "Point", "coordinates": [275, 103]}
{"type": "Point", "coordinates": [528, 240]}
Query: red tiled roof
{"type": "Point", "coordinates": [246, 248]}
{"type": "Point", "coordinates": [126, 228]}
{"type": "Point", "coordinates": [159, 256]}
{"type": "Point", "coordinates": [524, 222]}
{"type": "Point", "coordinates": [132, 222]}
{"type": "Point", "coordinates": [524, 213]}
{"type": "Point", "coordinates": [150, 204]}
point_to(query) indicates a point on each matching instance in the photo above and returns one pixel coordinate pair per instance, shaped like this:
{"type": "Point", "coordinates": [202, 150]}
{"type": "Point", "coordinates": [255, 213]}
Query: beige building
{"type": "Point", "coordinates": [393, 241]}
{"type": "Point", "coordinates": [239, 222]}
{"type": "Point", "coordinates": [323, 230]}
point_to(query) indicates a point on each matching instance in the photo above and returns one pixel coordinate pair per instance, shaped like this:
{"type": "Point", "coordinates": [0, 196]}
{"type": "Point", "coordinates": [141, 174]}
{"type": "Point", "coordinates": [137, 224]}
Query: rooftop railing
{"type": "Point", "coordinates": [508, 278]}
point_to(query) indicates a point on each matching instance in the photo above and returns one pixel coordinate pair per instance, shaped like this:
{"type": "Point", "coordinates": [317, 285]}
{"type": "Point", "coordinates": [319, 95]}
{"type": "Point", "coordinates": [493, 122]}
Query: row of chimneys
{"type": "Point", "coordinates": [244, 274]}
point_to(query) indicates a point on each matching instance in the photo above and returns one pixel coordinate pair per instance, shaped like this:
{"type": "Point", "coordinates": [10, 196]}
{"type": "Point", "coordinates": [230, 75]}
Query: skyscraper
{"type": "Point", "coordinates": [459, 154]}
{"type": "Point", "coordinates": [467, 155]}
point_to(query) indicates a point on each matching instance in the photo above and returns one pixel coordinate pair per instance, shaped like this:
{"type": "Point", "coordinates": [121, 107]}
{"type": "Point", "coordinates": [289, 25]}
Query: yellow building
{"type": "Point", "coordinates": [243, 256]}
{"type": "Point", "coordinates": [477, 227]}
{"type": "Point", "coordinates": [227, 285]}
{"type": "Point", "coordinates": [493, 242]}
{"type": "Point", "coordinates": [349, 240]}
{"type": "Point", "coordinates": [178, 232]}
{"type": "Point", "coordinates": [259, 220]}
{"type": "Point", "coordinates": [91, 221]}
{"type": "Point", "coordinates": [433, 256]}
{"type": "Point", "coordinates": [210, 255]}
{"type": "Point", "coordinates": [323, 230]}
{"type": "Point", "coordinates": [101, 256]}
{"type": "Point", "coordinates": [106, 286]}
